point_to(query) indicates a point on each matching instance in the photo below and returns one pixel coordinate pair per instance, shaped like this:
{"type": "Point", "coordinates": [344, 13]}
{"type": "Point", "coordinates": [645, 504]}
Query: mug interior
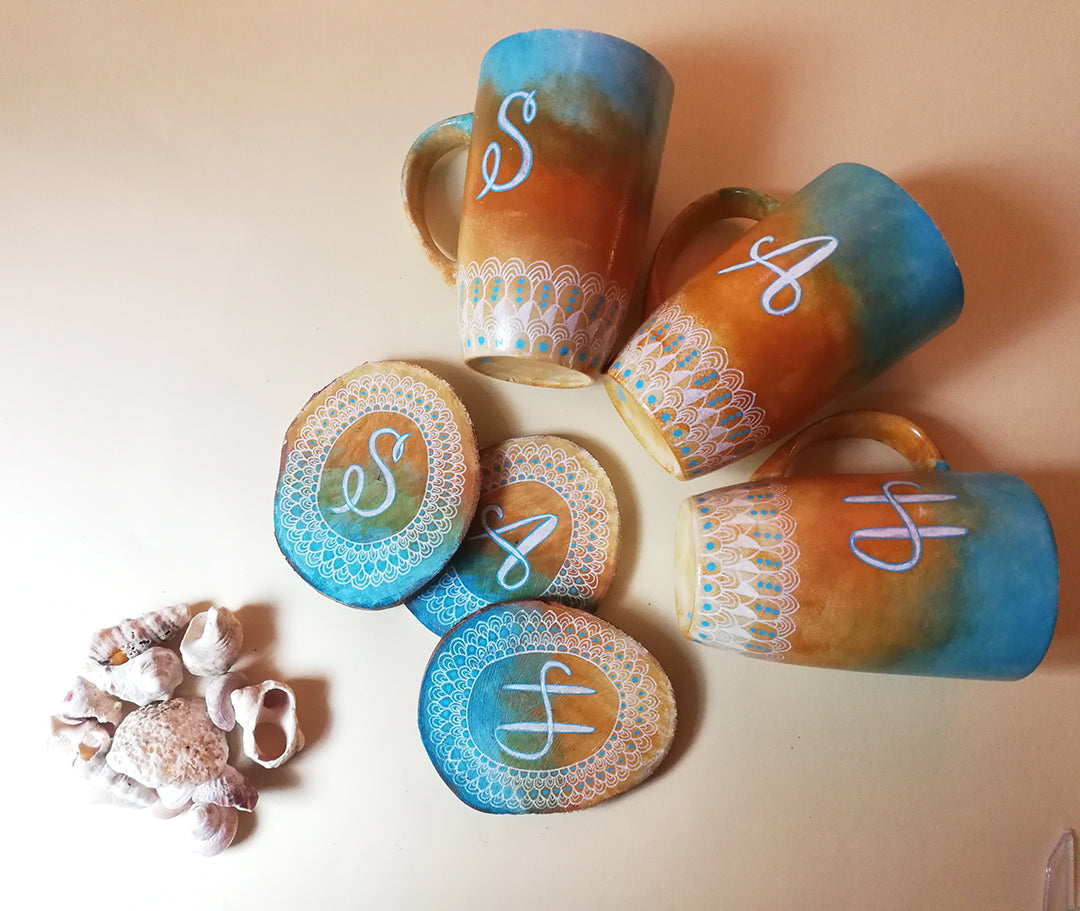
{"type": "Point", "coordinates": [530, 371]}
{"type": "Point", "coordinates": [644, 427]}
{"type": "Point", "coordinates": [686, 567]}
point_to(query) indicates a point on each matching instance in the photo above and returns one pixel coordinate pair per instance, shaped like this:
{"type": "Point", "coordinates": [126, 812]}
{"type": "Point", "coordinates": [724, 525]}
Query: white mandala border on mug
{"type": "Point", "coordinates": [576, 583]}
{"type": "Point", "coordinates": [488, 637]}
{"type": "Point", "coordinates": [745, 598]}
{"type": "Point", "coordinates": [307, 532]}
{"type": "Point", "coordinates": [677, 373]}
{"type": "Point", "coordinates": [550, 312]}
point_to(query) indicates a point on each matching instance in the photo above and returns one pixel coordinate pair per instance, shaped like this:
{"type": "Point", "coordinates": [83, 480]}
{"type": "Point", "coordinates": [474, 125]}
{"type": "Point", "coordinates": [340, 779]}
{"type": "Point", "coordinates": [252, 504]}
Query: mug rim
{"type": "Point", "coordinates": [911, 200]}
{"type": "Point", "coordinates": [588, 34]}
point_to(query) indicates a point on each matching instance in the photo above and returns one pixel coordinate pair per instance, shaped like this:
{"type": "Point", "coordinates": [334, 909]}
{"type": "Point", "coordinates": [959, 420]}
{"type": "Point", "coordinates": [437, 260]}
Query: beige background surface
{"type": "Point", "coordinates": [201, 226]}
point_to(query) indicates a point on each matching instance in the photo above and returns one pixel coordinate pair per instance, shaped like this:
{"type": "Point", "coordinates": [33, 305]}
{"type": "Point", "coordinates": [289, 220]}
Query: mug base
{"type": "Point", "coordinates": [531, 372]}
{"type": "Point", "coordinates": [643, 426]}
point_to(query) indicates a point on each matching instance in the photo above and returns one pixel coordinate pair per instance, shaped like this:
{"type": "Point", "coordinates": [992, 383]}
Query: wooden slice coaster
{"type": "Point", "coordinates": [379, 480]}
{"type": "Point", "coordinates": [547, 526]}
{"type": "Point", "coordinates": [535, 707]}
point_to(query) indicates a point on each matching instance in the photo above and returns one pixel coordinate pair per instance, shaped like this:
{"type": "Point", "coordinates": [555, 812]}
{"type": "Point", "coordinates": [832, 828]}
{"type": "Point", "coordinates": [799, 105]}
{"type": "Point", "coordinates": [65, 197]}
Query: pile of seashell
{"type": "Point", "coordinates": [171, 753]}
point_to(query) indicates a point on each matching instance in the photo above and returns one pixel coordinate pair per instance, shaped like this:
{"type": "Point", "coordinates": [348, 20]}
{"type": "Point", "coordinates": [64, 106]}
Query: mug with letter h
{"type": "Point", "coordinates": [927, 572]}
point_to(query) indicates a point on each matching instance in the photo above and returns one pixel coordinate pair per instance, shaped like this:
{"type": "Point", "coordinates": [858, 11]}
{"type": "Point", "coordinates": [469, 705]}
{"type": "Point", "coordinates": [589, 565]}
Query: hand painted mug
{"type": "Point", "coordinates": [564, 150]}
{"type": "Point", "coordinates": [926, 572]}
{"type": "Point", "coordinates": [829, 289]}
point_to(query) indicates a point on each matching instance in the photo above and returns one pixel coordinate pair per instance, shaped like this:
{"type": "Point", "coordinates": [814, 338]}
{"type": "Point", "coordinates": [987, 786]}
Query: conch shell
{"type": "Point", "coordinates": [219, 699]}
{"type": "Point", "coordinates": [134, 636]}
{"type": "Point", "coordinates": [150, 676]}
{"type": "Point", "coordinates": [212, 643]}
{"type": "Point", "coordinates": [267, 713]}
{"type": "Point", "coordinates": [84, 700]}
{"type": "Point", "coordinates": [169, 743]}
{"type": "Point", "coordinates": [212, 827]}
{"type": "Point", "coordinates": [85, 747]}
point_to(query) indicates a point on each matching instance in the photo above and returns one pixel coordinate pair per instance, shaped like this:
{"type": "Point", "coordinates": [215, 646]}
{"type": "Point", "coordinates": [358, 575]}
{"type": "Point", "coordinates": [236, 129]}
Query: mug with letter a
{"type": "Point", "coordinates": [564, 150]}
{"type": "Point", "coordinates": [828, 290]}
{"type": "Point", "coordinates": [926, 572]}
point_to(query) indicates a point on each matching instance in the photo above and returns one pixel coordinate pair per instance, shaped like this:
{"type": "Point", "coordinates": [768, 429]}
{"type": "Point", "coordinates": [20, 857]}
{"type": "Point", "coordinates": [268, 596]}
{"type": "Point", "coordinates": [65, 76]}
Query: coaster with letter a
{"type": "Point", "coordinates": [547, 526]}
{"type": "Point", "coordinates": [535, 707]}
{"type": "Point", "coordinates": [379, 480]}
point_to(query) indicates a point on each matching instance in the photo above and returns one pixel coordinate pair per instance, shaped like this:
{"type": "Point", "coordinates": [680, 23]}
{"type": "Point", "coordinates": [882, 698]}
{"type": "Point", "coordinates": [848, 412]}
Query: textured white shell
{"type": "Point", "coordinates": [229, 789]}
{"type": "Point", "coordinates": [212, 827]}
{"type": "Point", "coordinates": [85, 747]}
{"type": "Point", "coordinates": [219, 699]}
{"type": "Point", "coordinates": [134, 636]}
{"type": "Point", "coordinates": [84, 700]}
{"type": "Point", "coordinates": [150, 676]}
{"type": "Point", "coordinates": [212, 642]}
{"type": "Point", "coordinates": [267, 713]}
{"type": "Point", "coordinates": [170, 743]}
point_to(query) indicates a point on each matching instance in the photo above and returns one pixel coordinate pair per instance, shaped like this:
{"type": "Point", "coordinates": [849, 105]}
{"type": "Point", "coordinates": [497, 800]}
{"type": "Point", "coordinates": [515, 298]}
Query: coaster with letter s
{"type": "Point", "coordinates": [535, 707]}
{"type": "Point", "coordinates": [547, 526]}
{"type": "Point", "coordinates": [378, 482]}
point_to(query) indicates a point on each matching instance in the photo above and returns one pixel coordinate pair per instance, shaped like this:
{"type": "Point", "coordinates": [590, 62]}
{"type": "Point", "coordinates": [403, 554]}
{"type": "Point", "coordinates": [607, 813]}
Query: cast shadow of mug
{"type": "Point", "coordinates": [1010, 260]}
{"type": "Point", "coordinates": [718, 135]}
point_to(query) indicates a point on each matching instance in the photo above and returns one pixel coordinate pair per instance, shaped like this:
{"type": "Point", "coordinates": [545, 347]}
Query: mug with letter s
{"type": "Point", "coordinates": [564, 144]}
{"type": "Point", "coordinates": [928, 572]}
{"type": "Point", "coordinates": [829, 289]}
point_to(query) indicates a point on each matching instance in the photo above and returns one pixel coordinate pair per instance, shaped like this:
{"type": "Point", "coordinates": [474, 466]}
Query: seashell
{"type": "Point", "coordinates": [134, 636]}
{"type": "Point", "coordinates": [267, 713]}
{"type": "Point", "coordinates": [86, 746]}
{"type": "Point", "coordinates": [212, 827]}
{"type": "Point", "coordinates": [150, 676]}
{"type": "Point", "coordinates": [169, 743]}
{"type": "Point", "coordinates": [84, 700]}
{"type": "Point", "coordinates": [162, 810]}
{"type": "Point", "coordinates": [78, 741]}
{"type": "Point", "coordinates": [175, 796]}
{"type": "Point", "coordinates": [229, 789]}
{"type": "Point", "coordinates": [218, 701]}
{"type": "Point", "coordinates": [212, 642]}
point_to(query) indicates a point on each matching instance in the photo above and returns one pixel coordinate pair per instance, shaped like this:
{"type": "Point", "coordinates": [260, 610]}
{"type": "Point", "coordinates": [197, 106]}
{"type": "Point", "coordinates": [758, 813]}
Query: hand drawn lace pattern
{"type": "Point", "coordinates": [745, 599]}
{"type": "Point", "coordinates": [635, 741]}
{"type": "Point", "coordinates": [538, 310]}
{"type": "Point", "coordinates": [305, 534]}
{"type": "Point", "coordinates": [577, 582]}
{"type": "Point", "coordinates": [677, 374]}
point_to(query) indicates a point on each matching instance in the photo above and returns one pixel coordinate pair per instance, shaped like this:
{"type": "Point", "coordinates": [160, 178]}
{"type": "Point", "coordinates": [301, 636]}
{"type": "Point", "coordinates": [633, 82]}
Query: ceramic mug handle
{"type": "Point", "coordinates": [429, 147]}
{"type": "Point", "coordinates": [896, 432]}
{"type": "Point", "coordinates": [730, 202]}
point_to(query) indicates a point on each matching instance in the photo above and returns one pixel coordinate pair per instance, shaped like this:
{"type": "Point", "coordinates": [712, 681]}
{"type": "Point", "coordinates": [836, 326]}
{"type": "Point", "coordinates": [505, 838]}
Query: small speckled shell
{"type": "Point", "coordinates": [212, 642]}
{"type": "Point", "coordinates": [131, 637]}
{"type": "Point", "coordinates": [170, 743]}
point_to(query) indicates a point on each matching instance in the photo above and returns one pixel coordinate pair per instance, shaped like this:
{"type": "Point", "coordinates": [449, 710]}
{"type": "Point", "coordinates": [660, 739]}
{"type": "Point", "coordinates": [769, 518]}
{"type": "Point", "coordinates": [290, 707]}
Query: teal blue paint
{"type": "Point", "coordinates": [564, 62]}
{"type": "Point", "coordinates": [1003, 602]}
{"type": "Point", "coordinates": [905, 283]}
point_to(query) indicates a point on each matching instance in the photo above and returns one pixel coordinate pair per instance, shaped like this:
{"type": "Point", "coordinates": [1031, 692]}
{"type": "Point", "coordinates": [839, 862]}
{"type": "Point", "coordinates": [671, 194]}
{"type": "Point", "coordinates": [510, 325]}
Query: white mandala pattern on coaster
{"type": "Point", "coordinates": [745, 598]}
{"type": "Point", "coordinates": [496, 787]}
{"type": "Point", "coordinates": [556, 313]}
{"type": "Point", "coordinates": [680, 376]}
{"type": "Point", "coordinates": [307, 533]}
{"type": "Point", "coordinates": [449, 599]}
